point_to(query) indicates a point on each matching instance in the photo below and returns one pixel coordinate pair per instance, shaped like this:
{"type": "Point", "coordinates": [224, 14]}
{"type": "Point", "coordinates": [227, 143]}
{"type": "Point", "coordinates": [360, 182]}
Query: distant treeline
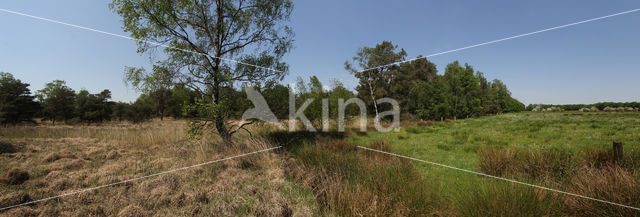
{"type": "Point", "coordinates": [576, 107]}
{"type": "Point", "coordinates": [421, 93]}
{"type": "Point", "coordinates": [58, 102]}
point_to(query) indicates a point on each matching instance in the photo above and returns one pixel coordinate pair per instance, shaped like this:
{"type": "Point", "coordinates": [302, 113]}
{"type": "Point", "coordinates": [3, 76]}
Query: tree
{"type": "Point", "coordinates": [120, 110]}
{"type": "Point", "coordinates": [463, 87]}
{"type": "Point", "coordinates": [338, 91]}
{"type": "Point", "coordinates": [408, 73]}
{"type": "Point", "coordinates": [317, 93]}
{"type": "Point", "coordinates": [206, 33]}
{"type": "Point", "coordinates": [487, 95]}
{"type": "Point", "coordinates": [275, 96]}
{"type": "Point", "coordinates": [16, 102]}
{"type": "Point", "coordinates": [93, 108]}
{"type": "Point", "coordinates": [181, 96]}
{"type": "Point", "coordinates": [503, 98]}
{"type": "Point", "coordinates": [375, 71]}
{"type": "Point", "coordinates": [140, 110]}
{"type": "Point", "coordinates": [57, 101]}
{"type": "Point", "coordinates": [156, 84]}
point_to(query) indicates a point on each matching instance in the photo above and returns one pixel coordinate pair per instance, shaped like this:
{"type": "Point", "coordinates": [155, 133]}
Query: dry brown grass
{"type": "Point", "coordinates": [63, 159]}
{"type": "Point", "coordinates": [611, 183]}
{"type": "Point", "coordinates": [347, 182]}
{"type": "Point", "coordinates": [594, 174]}
{"type": "Point", "coordinates": [541, 165]}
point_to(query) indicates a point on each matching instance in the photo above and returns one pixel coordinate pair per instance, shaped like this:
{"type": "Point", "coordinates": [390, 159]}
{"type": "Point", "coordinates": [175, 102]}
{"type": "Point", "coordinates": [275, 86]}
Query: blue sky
{"type": "Point", "coordinates": [587, 63]}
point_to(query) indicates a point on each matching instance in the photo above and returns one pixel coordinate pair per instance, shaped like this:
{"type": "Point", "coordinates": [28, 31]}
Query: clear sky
{"type": "Point", "coordinates": [586, 63]}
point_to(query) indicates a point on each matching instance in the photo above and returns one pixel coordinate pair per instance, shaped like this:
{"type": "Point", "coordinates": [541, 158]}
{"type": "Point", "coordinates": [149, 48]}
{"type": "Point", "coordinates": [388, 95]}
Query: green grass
{"type": "Point", "coordinates": [457, 144]}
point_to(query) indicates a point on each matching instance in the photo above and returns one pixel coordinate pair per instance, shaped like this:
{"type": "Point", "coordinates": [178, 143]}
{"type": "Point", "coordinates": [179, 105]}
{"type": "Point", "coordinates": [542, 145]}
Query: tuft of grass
{"type": "Point", "coordinates": [611, 183]}
{"type": "Point", "coordinates": [541, 165]}
{"type": "Point", "coordinates": [349, 182]}
{"type": "Point", "coordinates": [498, 198]}
{"type": "Point", "coordinates": [16, 176]}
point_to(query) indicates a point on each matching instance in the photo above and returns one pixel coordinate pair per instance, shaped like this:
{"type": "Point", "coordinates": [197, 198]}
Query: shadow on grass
{"type": "Point", "coordinates": [6, 147]}
{"type": "Point", "coordinates": [296, 139]}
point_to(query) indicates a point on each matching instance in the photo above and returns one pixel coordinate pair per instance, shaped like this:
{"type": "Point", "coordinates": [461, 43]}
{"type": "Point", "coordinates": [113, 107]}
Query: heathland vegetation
{"type": "Point", "coordinates": [58, 140]}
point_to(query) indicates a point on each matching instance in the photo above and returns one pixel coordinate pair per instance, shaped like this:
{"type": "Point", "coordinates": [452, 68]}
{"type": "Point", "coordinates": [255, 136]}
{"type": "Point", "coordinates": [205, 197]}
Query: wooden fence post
{"type": "Point", "coordinates": [617, 151]}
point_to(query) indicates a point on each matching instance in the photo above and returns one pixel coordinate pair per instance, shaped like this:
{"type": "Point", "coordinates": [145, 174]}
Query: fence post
{"type": "Point", "coordinates": [617, 151]}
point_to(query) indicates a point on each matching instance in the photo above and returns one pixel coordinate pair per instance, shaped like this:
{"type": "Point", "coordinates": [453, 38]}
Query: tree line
{"type": "Point", "coordinates": [576, 107]}
{"type": "Point", "coordinates": [460, 92]}
{"type": "Point", "coordinates": [422, 93]}
{"type": "Point", "coordinates": [58, 102]}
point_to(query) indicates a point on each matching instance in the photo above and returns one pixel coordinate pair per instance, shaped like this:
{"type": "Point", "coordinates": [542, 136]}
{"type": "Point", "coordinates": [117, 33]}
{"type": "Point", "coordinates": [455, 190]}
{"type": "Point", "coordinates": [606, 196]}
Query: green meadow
{"type": "Point", "coordinates": [552, 149]}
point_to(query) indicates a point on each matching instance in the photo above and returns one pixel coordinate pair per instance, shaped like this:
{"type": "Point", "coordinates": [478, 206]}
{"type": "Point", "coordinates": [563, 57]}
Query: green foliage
{"type": "Point", "coordinates": [337, 92]}
{"type": "Point", "coordinates": [156, 84]}
{"type": "Point", "coordinates": [57, 101]}
{"type": "Point", "coordinates": [16, 103]}
{"type": "Point", "coordinates": [317, 93]}
{"type": "Point", "coordinates": [93, 108]}
{"type": "Point", "coordinates": [463, 89]}
{"type": "Point", "coordinates": [181, 96]}
{"type": "Point", "coordinates": [277, 97]}
{"type": "Point", "coordinates": [315, 90]}
{"type": "Point", "coordinates": [140, 110]}
{"type": "Point", "coordinates": [376, 82]}
{"type": "Point", "coordinates": [461, 92]}
{"type": "Point", "coordinates": [204, 110]}
{"type": "Point", "coordinates": [208, 32]}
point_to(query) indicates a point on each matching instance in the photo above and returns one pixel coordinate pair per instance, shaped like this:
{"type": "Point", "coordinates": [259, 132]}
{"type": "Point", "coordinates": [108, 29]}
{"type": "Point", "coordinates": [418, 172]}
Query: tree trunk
{"type": "Point", "coordinates": [375, 105]}
{"type": "Point", "coordinates": [219, 118]}
{"type": "Point", "coordinates": [222, 131]}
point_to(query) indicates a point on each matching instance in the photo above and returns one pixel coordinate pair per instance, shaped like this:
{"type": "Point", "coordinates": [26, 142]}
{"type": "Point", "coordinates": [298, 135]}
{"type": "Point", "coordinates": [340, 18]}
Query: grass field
{"type": "Point", "coordinates": [63, 159]}
{"type": "Point", "coordinates": [541, 143]}
{"type": "Point", "coordinates": [325, 174]}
